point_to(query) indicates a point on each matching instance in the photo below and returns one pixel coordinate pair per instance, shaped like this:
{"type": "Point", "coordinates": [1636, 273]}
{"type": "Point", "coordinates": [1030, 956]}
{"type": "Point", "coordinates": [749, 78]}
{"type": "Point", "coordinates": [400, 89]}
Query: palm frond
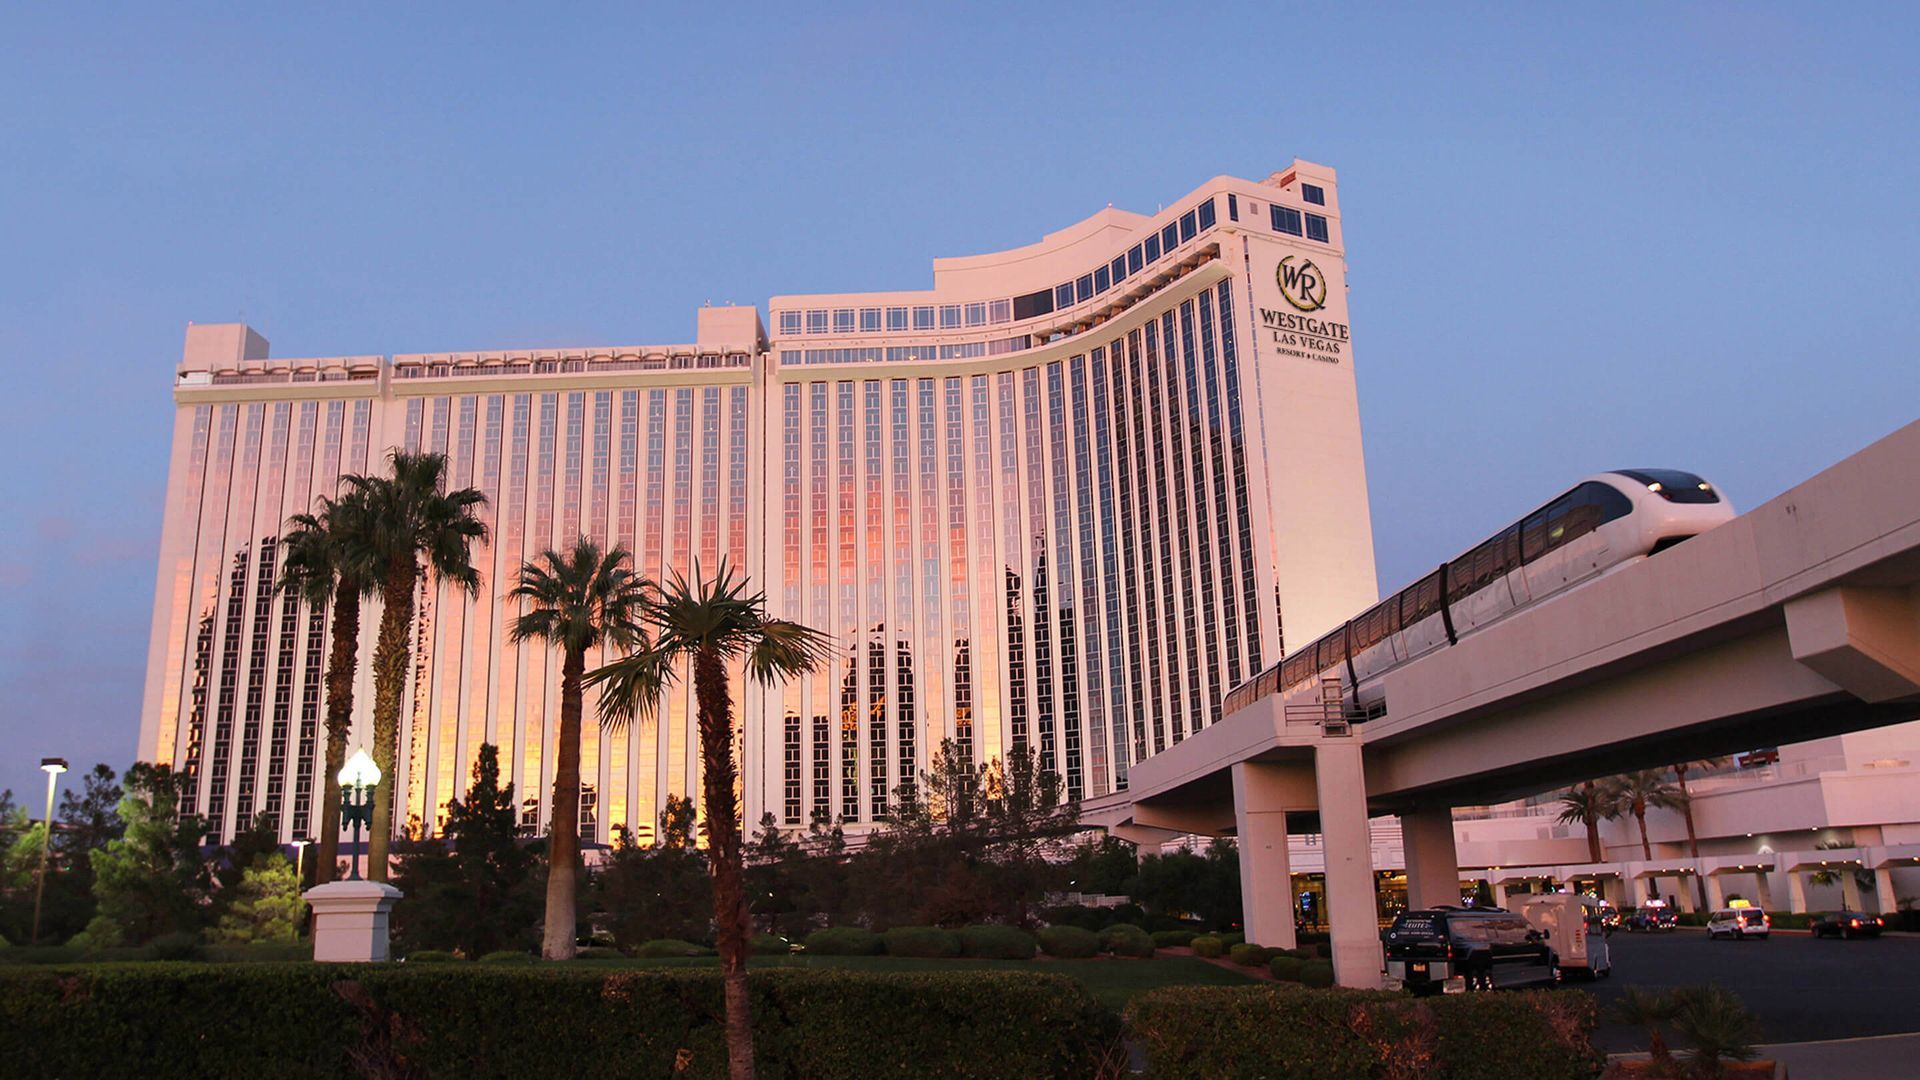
{"type": "Point", "coordinates": [630, 687]}
{"type": "Point", "coordinates": [784, 649]}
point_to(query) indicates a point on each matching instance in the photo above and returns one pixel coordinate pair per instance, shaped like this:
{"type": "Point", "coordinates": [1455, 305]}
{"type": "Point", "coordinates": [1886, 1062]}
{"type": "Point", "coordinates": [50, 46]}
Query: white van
{"type": "Point", "coordinates": [1570, 922]}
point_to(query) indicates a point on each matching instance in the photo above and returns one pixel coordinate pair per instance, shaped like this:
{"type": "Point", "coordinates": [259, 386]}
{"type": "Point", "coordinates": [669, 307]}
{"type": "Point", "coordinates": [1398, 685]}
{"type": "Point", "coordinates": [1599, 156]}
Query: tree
{"type": "Point", "coordinates": [574, 602]}
{"type": "Point", "coordinates": [327, 562]}
{"type": "Point", "coordinates": [772, 874]}
{"type": "Point", "coordinates": [1828, 875]}
{"type": "Point", "coordinates": [265, 904]}
{"type": "Point", "coordinates": [1634, 792]}
{"type": "Point", "coordinates": [475, 890]}
{"type": "Point", "coordinates": [715, 623]}
{"type": "Point", "coordinates": [1106, 866]}
{"type": "Point", "coordinates": [1586, 805]}
{"type": "Point", "coordinates": [1686, 797]}
{"type": "Point", "coordinates": [153, 880]}
{"type": "Point", "coordinates": [411, 524]}
{"type": "Point", "coordinates": [1651, 1011]}
{"type": "Point", "coordinates": [660, 891]}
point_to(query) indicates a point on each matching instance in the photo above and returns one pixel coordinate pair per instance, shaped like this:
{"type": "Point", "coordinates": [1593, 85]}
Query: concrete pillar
{"type": "Point", "coordinates": [1352, 912]}
{"type": "Point", "coordinates": [1883, 892]}
{"type": "Point", "coordinates": [1796, 893]}
{"type": "Point", "coordinates": [1716, 896]}
{"type": "Point", "coordinates": [1499, 894]}
{"type": "Point", "coordinates": [350, 921]}
{"type": "Point", "coordinates": [1433, 868]}
{"type": "Point", "coordinates": [1266, 878]}
{"type": "Point", "coordinates": [1683, 894]}
{"type": "Point", "coordinates": [1849, 889]}
{"type": "Point", "coordinates": [1763, 890]}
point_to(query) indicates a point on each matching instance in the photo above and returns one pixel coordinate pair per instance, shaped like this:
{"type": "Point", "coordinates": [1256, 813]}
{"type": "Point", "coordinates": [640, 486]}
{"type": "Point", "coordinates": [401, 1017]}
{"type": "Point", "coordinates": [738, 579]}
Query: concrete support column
{"type": "Point", "coordinates": [1763, 890]}
{"type": "Point", "coordinates": [1883, 892]}
{"type": "Point", "coordinates": [1266, 878]}
{"type": "Point", "coordinates": [1796, 893]}
{"type": "Point", "coordinates": [1849, 889]}
{"type": "Point", "coordinates": [1433, 867]}
{"type": "Point", "coordinates": [1683, 894]}
{"type": "Point", "coordinates": [1499, 894]}
{"type": "Point", "coordinates": [1353, 913]}
{"type": "Point", "coordinates": [1716, 896]}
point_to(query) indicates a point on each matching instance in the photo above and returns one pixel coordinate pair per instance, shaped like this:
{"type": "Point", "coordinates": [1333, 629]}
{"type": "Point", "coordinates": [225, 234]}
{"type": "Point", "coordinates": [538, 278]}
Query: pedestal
{"type": "Point", "coordinates": [350, 921]}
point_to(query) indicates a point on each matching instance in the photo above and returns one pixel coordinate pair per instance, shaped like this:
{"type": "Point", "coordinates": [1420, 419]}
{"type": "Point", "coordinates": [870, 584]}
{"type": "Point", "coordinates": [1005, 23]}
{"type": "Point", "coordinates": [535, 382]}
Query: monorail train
{"type": "Point", "coordinates": [1607, 521]}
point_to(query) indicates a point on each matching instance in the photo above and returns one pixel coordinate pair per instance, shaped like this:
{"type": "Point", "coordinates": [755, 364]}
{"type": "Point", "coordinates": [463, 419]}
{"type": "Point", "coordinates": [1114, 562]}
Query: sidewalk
{"type": "Point", "coordinates": [1872, 1056]}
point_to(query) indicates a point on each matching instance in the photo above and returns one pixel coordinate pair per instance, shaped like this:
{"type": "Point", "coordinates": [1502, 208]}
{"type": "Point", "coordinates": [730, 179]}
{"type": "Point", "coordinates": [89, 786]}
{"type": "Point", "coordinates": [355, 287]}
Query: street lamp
{"type": "Point", "coordinates": [53, 767]}
{"type": "Point", "coordinates": [357, 780]}
{"type": "Point", "coordinates": [300, 861]}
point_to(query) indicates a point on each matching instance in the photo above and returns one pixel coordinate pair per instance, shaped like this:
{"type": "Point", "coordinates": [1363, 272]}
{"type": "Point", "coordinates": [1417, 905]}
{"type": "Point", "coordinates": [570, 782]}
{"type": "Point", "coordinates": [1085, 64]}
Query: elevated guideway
{"type": "Point", "coordinates": [1798, 619]}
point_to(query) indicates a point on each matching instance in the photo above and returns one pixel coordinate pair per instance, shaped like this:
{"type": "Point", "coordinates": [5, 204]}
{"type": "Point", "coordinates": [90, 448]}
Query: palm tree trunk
{"type": "Point", "coordinates": [390, 658]}
{"type": "Point", "coordinates": [563, 830]}
{"type": "Point", "coordinates": [342, 658]}
{"type": "Point", "coordinates": [1646, 849]}
{"type": "Point", "coordinates": [1594, 851]}
{"type": "Point", "coordinates": [723, 854]}
{"type": "Point", "coordinates": [1686, 809]}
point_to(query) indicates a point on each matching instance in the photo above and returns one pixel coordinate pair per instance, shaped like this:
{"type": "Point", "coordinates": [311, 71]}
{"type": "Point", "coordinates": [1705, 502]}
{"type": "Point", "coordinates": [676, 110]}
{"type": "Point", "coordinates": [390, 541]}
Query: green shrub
{"type": "Point", "coordinates": [661, 948]}
{"type": "Point", "coordinates": [1252, 956]}
{"type": "Point", "coordinates": [1297, 954]}
{"type": "Point", "coordinates": [1125, 939]}
{"type": "Point", "coordinates": [1789, 920]}
{"type": "Point", "coordinates": [1129, 913]}
{"type": "Point", "coordinates": [1286, 968]}
{"type": "Point", "coordinates": [925, 942]}
{"type": "Point", "coordinates": [1230, 937]}
{"type": "Point", "coordinates": [432, 956]}
{"type": "Point", "coordinates": [768, 945]}
{"type": "Point", "coordinates": [597, 952]}
{"type": "Point", "coordinates": [997, 943]}
{"type": "Point", "coordinates": [177, 946]}
{"type": "Point", "coordinates": [1173, 939]}
{"type": "Point", "coordinates": [844, 941]}
{"type": "Point", "coordinates": [259, 952]}
{"type": "Point", "coordinates": [1209, 946]}
{"type": "Point", "coordinates": [1316, 973]}
{"type": "Point", "coordinates": [1069, 942]}
{"type": "Point", "coordinates": [1080, 915]}
{"type": "Point", "coordinates": [507, 956]}
{"type": "Point", "coordinates": [1222, 1031]}
{"type": "Point", "coordinates": [311, 1020]}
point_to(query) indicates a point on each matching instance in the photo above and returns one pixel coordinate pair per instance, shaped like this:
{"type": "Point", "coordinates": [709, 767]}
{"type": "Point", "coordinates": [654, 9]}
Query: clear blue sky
{"type": "Point", "coordinates": [1679, 235]}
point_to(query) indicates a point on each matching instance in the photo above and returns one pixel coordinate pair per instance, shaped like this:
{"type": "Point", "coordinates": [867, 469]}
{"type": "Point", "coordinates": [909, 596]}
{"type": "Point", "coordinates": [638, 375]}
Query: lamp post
{"type": "Point", "coordinates": [300, 861]}
{"type": "Point", "coordinates": [357, 779]}
{"type": "Point", "coordinates": [53, 767]}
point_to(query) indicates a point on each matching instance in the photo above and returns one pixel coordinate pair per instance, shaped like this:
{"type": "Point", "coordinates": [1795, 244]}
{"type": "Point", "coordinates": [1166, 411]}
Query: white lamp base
{"type": "Point", "coordinates": [350, 921]}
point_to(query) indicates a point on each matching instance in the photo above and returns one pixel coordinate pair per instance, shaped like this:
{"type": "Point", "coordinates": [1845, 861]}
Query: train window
{"type": "Point", "coordinates": [1420, 599]}
{"type": "Point", "coordinates": [1610, 502]}
{"type": "Point", "coordinates": [1533, 534]}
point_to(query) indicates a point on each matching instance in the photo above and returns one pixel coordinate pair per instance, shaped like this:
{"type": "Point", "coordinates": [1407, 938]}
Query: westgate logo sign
{"type": "Point", "coordinates": [1302, 283]}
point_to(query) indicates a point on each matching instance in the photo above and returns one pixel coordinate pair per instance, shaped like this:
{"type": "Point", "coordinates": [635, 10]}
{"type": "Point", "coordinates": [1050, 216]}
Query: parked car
{"type": "Point", "coordinates": [1846, 924]}
{"type": "Point", "coordinates": [1739, 923]}
{"type": "Point", "coordinates": [1653, 915]}
{"type": "Point", "coordinates": [1461, 949]}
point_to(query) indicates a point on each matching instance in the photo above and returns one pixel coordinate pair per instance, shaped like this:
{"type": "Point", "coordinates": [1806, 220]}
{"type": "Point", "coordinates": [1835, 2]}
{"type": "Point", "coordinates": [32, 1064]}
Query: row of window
{"type": "Point", "coordinates": [966, 350]}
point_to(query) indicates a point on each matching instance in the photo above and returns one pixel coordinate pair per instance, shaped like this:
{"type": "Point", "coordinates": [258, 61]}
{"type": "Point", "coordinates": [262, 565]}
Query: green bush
{"type": "Point", "coordinates": [432, 956]}
{"type": "Point", "coordinates": [508, 957]}
{"type": "Point", "coordinates": [1285, 968]}
{"type": "Point", "coordinates": [177, 946]}
{"type": "Point", "coordinates": [597, 952]}
{"type": "Point", "coordinates": [1252, 956]}
{"type": "Point", "coordinates": [1080, 915]}
{"type": "Point", "coordinates": [926, 942]}
{"type": "Point", "coordinates": [768, 945]}
{"type": "Point", "coordinates": [1230, 937]}
{"type": "Point", "coordinates": [259, 952]}
{"type": "Point", "coordinates": [1125, 939]}
{"type": "Point", "coordinates": [997, 943]}
{"type": "Point", "coordinates": [1209, 946]}
{"type": "Point", "coordinates": [844, 941]}
{"type": "Point", "coordinates": [1129, 913]}
{"type": "Point", "coordinates": [311, 1020]}
{"type": "Point", "coordinates": [1069, 942]}
{"type": "Point", "coordinates": [1231, 1031]}
{"type": "Point", "coordinates": [1317, 973]}
{"type": "Point", "coordinates": [661, 948]}
{"type": "Point", "coordinates": [1788, 920]}
{"type": "Point", "coordinates": [1173, 939]}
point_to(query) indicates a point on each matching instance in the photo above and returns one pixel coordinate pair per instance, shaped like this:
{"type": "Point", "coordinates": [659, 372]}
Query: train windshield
{"type": "Point", "coordinates": [1674, 485]}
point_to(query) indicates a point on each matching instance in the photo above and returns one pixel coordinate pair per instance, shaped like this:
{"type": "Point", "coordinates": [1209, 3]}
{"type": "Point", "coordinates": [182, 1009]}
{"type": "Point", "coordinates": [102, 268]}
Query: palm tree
{"type": "Point", "coordinates": [714, 623]}
{"type": "Point", "coordinates": [1632, 793]}
{"type": "Point", "coordinates": [323, 566]}
{"type": "Point", "coordinates": [412, 525]}
{"type": "Point", "coordinates": [1686, 797]}
{"type": "Point", "coordinates": [1586, 805]}
{"type": "Point", "coordinates": [575, 602]}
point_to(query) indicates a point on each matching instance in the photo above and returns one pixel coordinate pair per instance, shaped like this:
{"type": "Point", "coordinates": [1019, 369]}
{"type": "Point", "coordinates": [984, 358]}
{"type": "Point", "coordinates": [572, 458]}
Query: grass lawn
{"type": "Point", "coordinates": [1113, 981]}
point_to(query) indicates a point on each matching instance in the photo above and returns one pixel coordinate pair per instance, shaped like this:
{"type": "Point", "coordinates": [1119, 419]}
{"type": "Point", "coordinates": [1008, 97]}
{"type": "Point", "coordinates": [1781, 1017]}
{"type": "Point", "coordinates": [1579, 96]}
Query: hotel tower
{"type": "Point", "coordinates": [1064, 499]}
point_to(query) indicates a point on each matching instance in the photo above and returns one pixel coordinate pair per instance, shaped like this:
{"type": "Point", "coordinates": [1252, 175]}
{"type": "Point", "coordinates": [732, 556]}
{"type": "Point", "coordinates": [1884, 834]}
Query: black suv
{"type": "Point", "coordinates": [1469, 948]}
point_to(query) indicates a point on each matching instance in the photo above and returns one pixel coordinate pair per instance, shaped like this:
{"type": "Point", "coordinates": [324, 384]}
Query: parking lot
{"type": "Point", "coordinates": [1802, 989]}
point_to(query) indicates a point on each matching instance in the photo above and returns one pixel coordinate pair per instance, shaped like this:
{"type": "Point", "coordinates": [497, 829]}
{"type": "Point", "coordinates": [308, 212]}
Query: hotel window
{"type": "Point", "coordinates": [789, 322]}
{"type": "Point", "coordinates": [843, 320]}
{"type": "Point", "coordinates": [949, 316]}
{"type": "Point", "coordinates": [1135, 260]}
{"type": "Point", "coordinates": [1083, 288]}
{"type": "Point", "coordinates": [1170, 237]}
{"type": "Point", "coordinates": [1100, 280]}
{"type": "Point", "coordinates": [1206, 214]}
{"type": "Point", "coordinates": [816, 322]}
{"type": "Point", "coordinates": [1285, 219]}
{"type": "Point", "coordinates": [1063, 296]}
{"type": "Point", "coordinates": [1118, 268]}
{"type": "Point", "coordinates": [1153, 247]}
{"type": "Point", "coordinates": [1187, 228]}
{"type": "Point", "coordinates": [1000, 311]}
{"type": "Point", "coordinates": [1033, 304]}
{"type": "Point", "coordinates": [1233, 206]}
{"type": "Point", "coordinates": [896, 318]}
{"type": "Point", "coordinates": [923, 318]}
{"type": "Point", "coordinates": [869, 320]}
{"type": "Point", "coordinates": [1316, 228]}
{"type": "Point", "coordinates": [977, 314]}
{"type": "Point", "coordinates": [1314, 194]}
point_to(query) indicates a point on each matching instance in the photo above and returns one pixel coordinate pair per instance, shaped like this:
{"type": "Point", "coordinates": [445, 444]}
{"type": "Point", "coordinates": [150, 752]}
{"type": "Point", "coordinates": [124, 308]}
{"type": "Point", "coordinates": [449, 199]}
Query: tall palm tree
{"type": "Point", "coordinates": [574, 603]}
{"type": "Point", "coordinates": [1586, 805]}
{"type": "Point", "coordinates": [412, 525]}
{"type": "Point", "coordinates": [1686, 797]}
{"type": "Point", "coordinates": [714, 623]}
{"type": "Point", "coordinates": [1634, 792]}
{"type": "Point", "coordinates": [324, 565]}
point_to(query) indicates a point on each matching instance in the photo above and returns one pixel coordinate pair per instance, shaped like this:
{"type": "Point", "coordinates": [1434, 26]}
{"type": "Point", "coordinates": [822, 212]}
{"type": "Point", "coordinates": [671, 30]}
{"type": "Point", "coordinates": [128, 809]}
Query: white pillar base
{"type": "Point", "coordinates": [1796, 893]}
{"type": "Point", "coordinates": [1352, 908]}
{"type": "Point", "coordinates": [350, 921]}
{"type": "Point", "coordinates": [1883, 891]}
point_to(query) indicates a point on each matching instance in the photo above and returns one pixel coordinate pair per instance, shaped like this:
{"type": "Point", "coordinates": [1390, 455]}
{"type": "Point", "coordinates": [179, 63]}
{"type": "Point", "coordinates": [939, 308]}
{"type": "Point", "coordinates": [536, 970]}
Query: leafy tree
{"type": "Point", "coordinates": [657, 892]}
{"type": "Point", "coordinates": [1181, 882]}
{"type": "Point", "coordinates": [1106, 866]}
{"type": "Point", "coordinates": [772, 879]}
{"type": "Point", "coordinates": [412, 525]}
{"type": "Point", "coordinates": [476, 890]}
{"type": "Point", "coordinates": [715, 623]}
{"type": "Point", "coordinates": [264, 905]}
{"type": "Point", "coordinates": [152, 880]}
{"type": "Point", "coordinates": [1634, 792]}
{"type": "Point", "coordinates": [1829, 875]}
{"type": "Point", "coordinates": [1587, 805]}
{"type": "Point", "coordinates": [328, 561]}
{"type": "Point", "coordinates": [574, 602]}
{"type": "Point", "coordinates": [677, 822]}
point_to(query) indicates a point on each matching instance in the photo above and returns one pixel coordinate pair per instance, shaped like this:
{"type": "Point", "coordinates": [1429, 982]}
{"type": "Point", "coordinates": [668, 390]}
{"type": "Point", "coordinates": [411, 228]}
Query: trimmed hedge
{"type": "Point", "coordinates": [844, 941]}
{"type": "Point", "coordinates": [925, 942]}
{"type": "Point", "coordinates": [1173, 939]}
{"type": "Point", "coordinates": [997, 943]}
{"type": "Point", "coordinates": [1069, 942]}
{"type": "Point", "coordinates": [1316, 973]}
{"type": "Point", "coordinates": [313, 1020]}
{"type": "Point", "coordinates": [1208, 946]}
{"type": "Point", "coordinates": [661, 948]}
{"type": "Point", "coordinates": [768, 945]}
{"type": "Point", "coordinates": [507, 956]}
{"type": "Point", "coordinates": [1285, 968]}
{"type": "Point", "coordinates": [432, 956]}
{"type": "Point", "coordinates": [1125, 939]}
{"type": "Point", "coordinates": [1287, 1031]}
{"type": "Point", "coordinates": [1252, 956]}
{"type": "Point", "coordinates": [1230, 937]}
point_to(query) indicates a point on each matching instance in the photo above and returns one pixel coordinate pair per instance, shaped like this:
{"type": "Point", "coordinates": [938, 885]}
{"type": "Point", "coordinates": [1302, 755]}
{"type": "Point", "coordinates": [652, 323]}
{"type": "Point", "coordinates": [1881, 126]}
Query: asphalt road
{"type": "Point", "coordinates": [1802, 989]}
